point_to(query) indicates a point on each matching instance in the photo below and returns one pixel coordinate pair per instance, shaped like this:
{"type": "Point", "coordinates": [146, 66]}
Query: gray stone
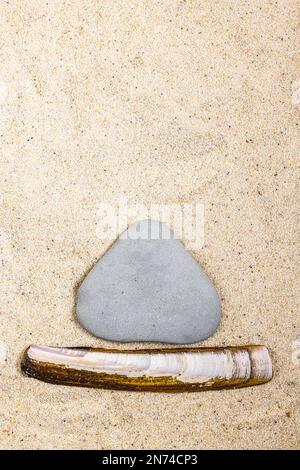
{"type": "Point", "coordinates": [147, 287]}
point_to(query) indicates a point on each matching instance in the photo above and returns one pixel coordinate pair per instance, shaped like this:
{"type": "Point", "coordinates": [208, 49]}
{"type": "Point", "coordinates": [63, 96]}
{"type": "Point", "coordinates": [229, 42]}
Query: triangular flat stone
{"type": "Point", "coordinates": [146, 289]}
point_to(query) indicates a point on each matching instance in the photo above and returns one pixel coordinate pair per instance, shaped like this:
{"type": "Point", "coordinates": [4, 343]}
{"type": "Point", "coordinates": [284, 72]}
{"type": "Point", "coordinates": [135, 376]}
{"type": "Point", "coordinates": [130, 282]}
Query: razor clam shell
{"type": "Point", "coordinates": [157, 370]}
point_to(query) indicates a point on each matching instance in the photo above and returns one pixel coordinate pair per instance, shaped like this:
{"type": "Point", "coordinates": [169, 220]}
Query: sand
{"type": "Point", "coordinates": [163, 102]}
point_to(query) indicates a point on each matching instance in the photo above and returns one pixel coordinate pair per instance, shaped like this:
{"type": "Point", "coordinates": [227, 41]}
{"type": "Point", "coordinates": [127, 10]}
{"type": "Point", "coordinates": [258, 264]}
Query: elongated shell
{"type": "Point", "coordinates": [159, 370]}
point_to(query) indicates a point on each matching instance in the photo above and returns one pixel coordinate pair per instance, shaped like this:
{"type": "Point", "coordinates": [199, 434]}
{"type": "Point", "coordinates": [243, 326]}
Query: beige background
{"type": "Point", "coordinates": [166, 102]}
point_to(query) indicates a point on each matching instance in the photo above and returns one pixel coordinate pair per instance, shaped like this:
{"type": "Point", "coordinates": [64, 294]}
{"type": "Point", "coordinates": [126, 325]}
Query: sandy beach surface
{"type": "Point", "coordinates": [157, 102]}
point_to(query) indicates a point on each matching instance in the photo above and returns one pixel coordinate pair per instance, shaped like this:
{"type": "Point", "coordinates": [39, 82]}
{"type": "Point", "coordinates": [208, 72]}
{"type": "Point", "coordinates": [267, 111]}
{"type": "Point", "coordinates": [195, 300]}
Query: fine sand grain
{"type": "Point", "coordinates": [163, 102]}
